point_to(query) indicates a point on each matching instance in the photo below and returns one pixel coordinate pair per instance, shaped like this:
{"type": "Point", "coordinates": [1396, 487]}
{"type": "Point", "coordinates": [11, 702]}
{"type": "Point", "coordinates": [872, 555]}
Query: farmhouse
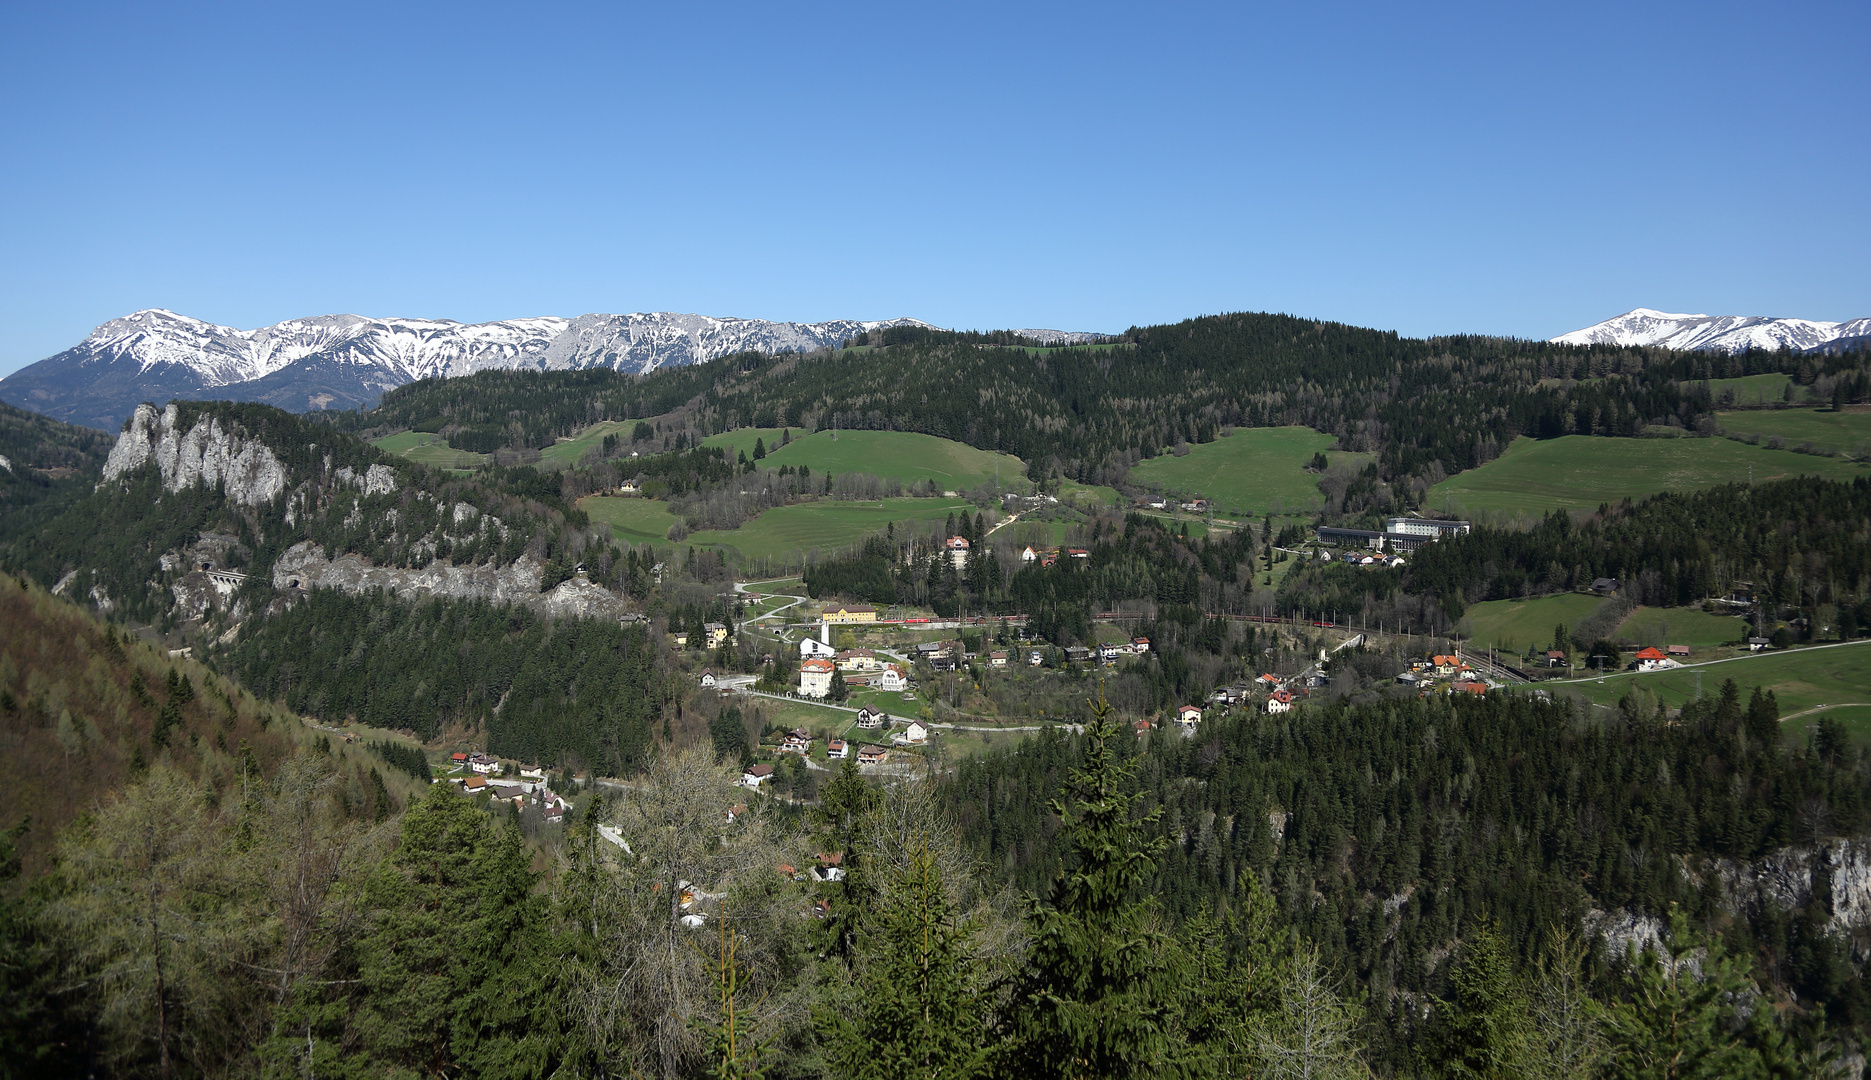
{"type": "Point", "coordinates": [1028, 555]}
{"type": "Point", "coordinates": [755, 775]}
{"type": "Point", "coordinates": [815, 677]}
{"type": "Point", "coordinates": [1280, 701]}
{"type": "Point", "coordinates": [483, 763]}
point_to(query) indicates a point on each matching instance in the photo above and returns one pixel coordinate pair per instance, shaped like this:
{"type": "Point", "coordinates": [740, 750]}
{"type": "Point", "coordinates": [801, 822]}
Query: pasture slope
{"type": "Point", "coordinates": [1845, 432]}
{"type": "Point", "coordinates": [1582, 472]}
{"type": "Point", "coordinates": [905, 455]}
{"type": "Point", "coordinates": [426, 449]}
{"type": "Point", "coordinates": [1247, 473]}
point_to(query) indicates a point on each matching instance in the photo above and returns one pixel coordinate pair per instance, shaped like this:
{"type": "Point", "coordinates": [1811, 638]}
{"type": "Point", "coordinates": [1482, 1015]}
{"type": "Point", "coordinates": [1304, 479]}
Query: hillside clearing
{"type": "Point", "coordinates": [1845, 432]}
{"type": "Point", "coordinates": [1251, 473]}
{"type": "Point", "coordinates": [904, 455]}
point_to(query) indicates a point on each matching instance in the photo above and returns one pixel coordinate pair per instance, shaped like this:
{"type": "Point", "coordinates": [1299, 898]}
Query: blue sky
{"type": "Point", "coordinates": [1504, 168]}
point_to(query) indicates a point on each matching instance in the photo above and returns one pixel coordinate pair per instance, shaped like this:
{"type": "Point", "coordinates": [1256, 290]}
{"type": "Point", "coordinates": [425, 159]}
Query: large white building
{"type": "Point", "coordinates": [815, 677]}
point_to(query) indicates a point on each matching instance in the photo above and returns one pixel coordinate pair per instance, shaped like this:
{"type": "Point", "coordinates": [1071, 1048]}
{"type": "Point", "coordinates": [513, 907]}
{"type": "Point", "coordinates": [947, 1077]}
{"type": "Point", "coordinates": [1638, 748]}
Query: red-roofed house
{"type": "Point", "coordinates": [1654, 659]}
{"type": "Point", "coordinates": [1280, 701]}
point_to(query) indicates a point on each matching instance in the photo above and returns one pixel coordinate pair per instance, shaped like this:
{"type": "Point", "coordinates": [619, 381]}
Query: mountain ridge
{"type": "Point", "coordinates": [1719, 333]}
{"type": "Point", "coordinates": [342, 361]}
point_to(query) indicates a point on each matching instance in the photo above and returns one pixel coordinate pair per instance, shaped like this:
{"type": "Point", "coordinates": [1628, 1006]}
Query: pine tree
{"type": "Point", "coordinates": [1677, 1023]}
{"type": "Point", "coordinates": [1489, 1033]}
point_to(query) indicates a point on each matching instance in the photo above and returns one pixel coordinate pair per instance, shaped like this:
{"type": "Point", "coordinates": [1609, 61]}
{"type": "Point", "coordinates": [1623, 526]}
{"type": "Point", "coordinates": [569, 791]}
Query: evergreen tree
{"type": "Point", "coordinates": [1489, 1031]}
{"type": "Point", "coordinates": [1679, 1021]}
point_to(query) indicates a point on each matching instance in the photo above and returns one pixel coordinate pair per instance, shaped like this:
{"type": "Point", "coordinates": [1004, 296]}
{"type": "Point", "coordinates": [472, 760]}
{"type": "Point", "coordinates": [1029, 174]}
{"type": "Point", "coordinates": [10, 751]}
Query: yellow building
{"type": "Point", "coordinates": [717, 634]}
{"type": "Point", "coordinates": [856, 613]}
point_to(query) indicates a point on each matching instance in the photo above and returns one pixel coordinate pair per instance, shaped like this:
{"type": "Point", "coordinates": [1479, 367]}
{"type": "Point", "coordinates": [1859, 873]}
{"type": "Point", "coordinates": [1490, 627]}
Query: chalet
{"type": "Point", "coordinates": [815, 677]}
{"type": "Point", "coordinates": [1140, 644]}
{"type": "Point", "coordinates": [708, 677]}
{"type": "Point", "coordinates": [837, 750]}
{"type": "Point", "coordinates": [1189, 715]}
{"type": "Point", "coordinates": [852, 613]}
{"type": "Point", "coordinates": [796, 741]}
{"type": "Point", "coordinates": [629, 487]}
{"type": "Point", "coordinates": [1280, 701]}
{"type": "Point", "coordinates": [1447, 665]}
{"type": "Point", "coordinates": [1654, 659]}
{"type": "Point", "coordinates": [870, 718]}
{"type": "Point", "coordinates": [475, 784]}
{"type": "Point", "coordinates": [957, 547]}
{"type": "Point", "coordinates": [1605, 586]}
{"type": "Point", "coordinates": [1028, 555]}
{"type": "Point", "coordinates": [1078, 654]}
{"type": "Point", "coordinates": [460, 760]}
{"type": "Point", "coordinates": [483, 763]}
{"type": "Point", "coordinates": [733, 812]}
{"type": "Point", "coordinates": [873, 755]}
{"type": "Point", "coordinates": [997, 658]}
{"type": "Point", "coordinates": [1555, 658]}
{"type": "Point", "coordinates": [1141, 727]}
{"type": "Point", "coordinates": [755, 775]}
{"type": "Point", "coordinates": [716, 634]}
{"type": "Point", "coordinates": [891, 678]}
{"type": "Point", "coordinates": [1756, 644]}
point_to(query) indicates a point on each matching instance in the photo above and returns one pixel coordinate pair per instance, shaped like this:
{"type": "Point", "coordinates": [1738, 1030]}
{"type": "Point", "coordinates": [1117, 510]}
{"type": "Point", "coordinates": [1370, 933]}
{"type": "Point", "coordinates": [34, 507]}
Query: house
{"type": "Point", "coordinates": [1280, 701]}
{"type": "Point", "coordinates": [1555, 658]}
{"type": "Point", "coordinates": [997, 658]}
{"type": "Point", "coordinates": [1078, 654]}
{"type": "Point", "coordinates": [629, 487]}
{"type": "Point", "coordinates": [811, 647]}
{"type": "Point", "coordinates": [1189, 715]}
{"type": "Point", "coordinates": [1268, 682]}
{"type": "Point", "coordinates": [914, 735]}
{"type": "Point", "coordinates": [716, 634]}
{"type": "Point", "coordinates": [796, 741]}
{"type": "Point", "coordinates": [1605, 586]}
{"type": "Point", "coordinates": [815, 677]}
{"type": "Point", "coordinates": [1654, 659]}
{"type": "Point", "coordinates": [734, 812]}
{"type": "Point", "coordinates": [830, 867]}
{"type": "Point", "coordinates": [1447, 665]}
{"type": "Point", "coordinates": [837, 750]}
{"type": "Point", "coordinates": [682, 639]}
{"type": "Point", "coordinates": [1035, 658]}
{"type": "Point", "coordinates": [1196, 506]}
{"type": "Point", "coordinates": [1756, 644]}
{"type": "Point", "coordinates": [483, 763]}
{"type": "Point", "coordinates": [1677, 650]}
{"type": "Point", "coordinates": [1468, 687]}
{"type": "Point", "coordinates": [1109, 652]}
{"type": "Point", "coordinates": [891, 678]}
{"type": "Point", "coordinates": [1140, 644]}
{"type": "Point", "coordinates": [755, 775]}
{"type": "Point", "coordinates": [957, 551]}
{"type": "Point", "coordinates": [873, 755]}
{"type": "Point", "coordinates": [852, 613]}
{"type": "Point", "coordinates": [474, 784]}
{"type": "Point", "coordinates": [1141, 727]}
{"type": "Point", "coordinates": [460, 760]}
{"type": "Point", "coordinates": [1028, 555]}
{"type": "Point", "coordinates": [708, 677]}
{"type": "Point", "coordinates": [1078, 553]}
{"type": "Point", "coordinates": [871, 718]}
{"type": "Point", "coordinates": [856, 661]}
{"type": "Point", "coordinates": [1048, 558]}
{"type": "Point", "coordinates": [943, 662]}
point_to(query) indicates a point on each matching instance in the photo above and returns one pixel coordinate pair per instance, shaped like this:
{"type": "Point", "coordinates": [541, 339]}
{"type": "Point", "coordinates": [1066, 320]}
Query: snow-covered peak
{"type": "Point", "coordinates": [1713, 333]}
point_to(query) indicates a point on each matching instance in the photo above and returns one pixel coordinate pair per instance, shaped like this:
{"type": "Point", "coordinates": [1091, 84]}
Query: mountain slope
{"type": "Point", "coordinates": [341, 361]}
{"type": "Point", "coordinates": [1716, 333]}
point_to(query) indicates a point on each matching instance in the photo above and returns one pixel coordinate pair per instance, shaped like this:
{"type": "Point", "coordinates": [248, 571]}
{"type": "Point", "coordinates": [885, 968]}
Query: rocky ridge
{"type": "Point", "coordinates": [204, 454]}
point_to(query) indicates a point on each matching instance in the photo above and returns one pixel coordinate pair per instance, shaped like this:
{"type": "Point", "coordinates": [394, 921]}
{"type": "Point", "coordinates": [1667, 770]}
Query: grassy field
{"type": "Point", "coordinates": [1752, 389]}
{"type": "Point", "coordinates": [1248, 472]}
{"type": "Point", "coordinates": [1580, 472]}
{"type": "Point", "coordinates": [637, 521]}
{"type": "Point", "coordinates": [1515, 624]}
{"type": "Point", "coordinates": [568, 452]}
{"type": "Point", "coordinates": [1844, 432]}
{"type": "Point", "coordinates": [905, 455]}
{"type": "Point", "coordinates": [787, 531]}
{"type": "Point", "coordinates": [427, 449]}
{"type": "Point", "coordinates": [1681, 626]}
{"type": "Point", "coordinates": [1801, 679]}
{"type": "Point", "coordinates": [1071, 491]}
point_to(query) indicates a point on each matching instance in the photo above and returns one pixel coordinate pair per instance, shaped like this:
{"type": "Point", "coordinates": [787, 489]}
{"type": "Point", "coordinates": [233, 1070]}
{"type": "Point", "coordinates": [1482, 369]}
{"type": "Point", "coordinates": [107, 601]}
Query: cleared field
{"type": "Point", "coordinates": [1681, 626]}
{"type": "Point", "coordinates": [426, 449]}
{"type": "Point", "coordinates": [637, 521]}
{"type": "Point", "coordinates": [1513, 625]}
{"type": "Point", "coordinates": [1071, 491]}
{"type": "Point", "coordinates": [786, 532]}
{"type": "Point", "coordinates": [1248, 472]}
{"type": "Point", "coordinates": [1845, 432]}
{"type": "Point", "coordinates": [1752, 389]}
{"type": "Point", "coordinates": [1581, 472]}
{"type": "Point", "coordinates": [568, 452]}
{"type": "Point", "coordinates": [905, 455]}
{"type": "Point", "coordinates": [1801, 679]}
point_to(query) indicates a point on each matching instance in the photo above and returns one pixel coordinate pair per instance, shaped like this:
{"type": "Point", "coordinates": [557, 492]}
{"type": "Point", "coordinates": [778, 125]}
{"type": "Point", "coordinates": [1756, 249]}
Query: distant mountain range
{"type": "Point", "coordinates": [1721, 333]}
{"type": "Point", "coordinates": [343, 361]}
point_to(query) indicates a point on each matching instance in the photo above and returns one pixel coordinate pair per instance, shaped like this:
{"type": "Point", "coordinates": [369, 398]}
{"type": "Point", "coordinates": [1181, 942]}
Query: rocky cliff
{"type": "Point", "coordinates": [305, 566]}
{"type": "Point", "coordinates": [204, 454]}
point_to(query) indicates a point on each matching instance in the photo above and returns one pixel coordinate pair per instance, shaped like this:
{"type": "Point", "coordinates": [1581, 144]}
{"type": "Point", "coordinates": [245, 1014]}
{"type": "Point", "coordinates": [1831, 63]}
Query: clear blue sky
{"type": "Point", "coordinates": [1503, 168]}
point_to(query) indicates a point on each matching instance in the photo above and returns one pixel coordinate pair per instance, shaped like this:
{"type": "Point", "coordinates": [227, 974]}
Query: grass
{"type": "Point", "coordinates": [787, 531]}
{"type": "Point", "coordinates": [1516, 624]}
{"type": "Point", "coordinates": [1844, 432]}
{"type": "Point", "coordinates": [1752, 389]}
{"type": "Point", "coordinates": [1581, 472]}
{"type": "Point", "coordinates": [426, 449]}
{"type": "Point", "coordinates": [570, 451]}
{"type": "Point", "coordinates": [1071, 491]}
{"type": "Point", "coordinates": [1253, 472]}
{"type": "Point", "coordinates": [1681, 626]}
{"type": "Point", "coordinates": [904, 455]}
{"type": "Point", "coordinates": [1801, 679]}
{"type": "Point", "coordinates": [638, 521]}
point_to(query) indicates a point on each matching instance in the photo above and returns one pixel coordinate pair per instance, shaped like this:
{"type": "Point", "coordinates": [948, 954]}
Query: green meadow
{"type": "Point", "coordinates": [1801, 679]}
{"type": "Point", "coordinates": [636, 521]}
{"type": "Point", "coordinates": [1581, 472]}
{"type": "Point", "coordinates": [786, 532]}
{"type": "Point", "coordinates": [1249, 472]}
{"type": "Point", "coordinates": [1516, 624]}
{"type": "Point", "coordinates": [1842, 432]}
{"type": "Point", "coordinates": [1681, 626]}
{"type": "Point", "coordinates": [427, 449]}
{"type": "Point", "coordinates": [905, 455]}
{"type": "Point", "coordinates": [571, 450]}
{"type": "Point", "coordinates": [1752, 389]}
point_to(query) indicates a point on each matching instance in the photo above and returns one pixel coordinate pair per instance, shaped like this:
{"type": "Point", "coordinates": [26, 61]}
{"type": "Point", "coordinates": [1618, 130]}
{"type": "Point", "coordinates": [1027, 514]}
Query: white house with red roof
{"type": "Point", "coordinates": [1655, 659]}
{"type": "Point", "coordinates": [815, 677]}
{"type": "Point", "coordinates": [1280, 701]}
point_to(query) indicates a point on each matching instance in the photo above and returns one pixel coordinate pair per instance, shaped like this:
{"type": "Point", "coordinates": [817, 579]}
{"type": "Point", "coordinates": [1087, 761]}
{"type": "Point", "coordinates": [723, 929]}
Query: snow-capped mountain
{"type": "Point", "coordinates": [340, 361]}
{"type": "Point", "coordinates": [1717, 333]}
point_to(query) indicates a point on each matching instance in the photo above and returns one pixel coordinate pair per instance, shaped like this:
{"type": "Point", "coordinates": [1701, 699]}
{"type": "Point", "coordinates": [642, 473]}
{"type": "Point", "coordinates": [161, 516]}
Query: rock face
{"type": "Point", "coordinates": [304, 566]}
{"type": "Point", "coordinates": [204, 454]}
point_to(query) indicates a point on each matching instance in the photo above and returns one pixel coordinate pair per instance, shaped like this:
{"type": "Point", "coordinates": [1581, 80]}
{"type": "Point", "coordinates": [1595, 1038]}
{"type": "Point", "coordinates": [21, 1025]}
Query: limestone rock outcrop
{"type": "Point", "coordinates": [204, 454]}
